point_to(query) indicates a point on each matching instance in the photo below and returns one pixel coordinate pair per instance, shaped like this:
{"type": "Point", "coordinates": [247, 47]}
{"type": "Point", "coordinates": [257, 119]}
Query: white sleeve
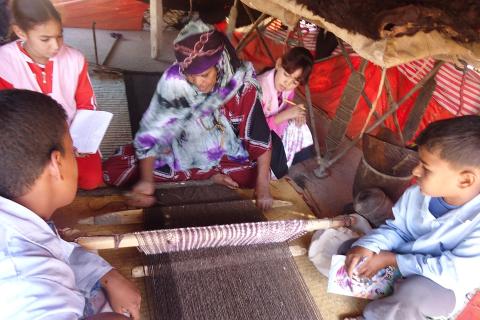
{"type": "Point", "coordinates": [391, 234]}
{"type": "Point", "coordinates": [88, 267]}
{"type": "Point", "coordinates": [452, 269]}
{"type": "Point", "coordinates": [38, 296]}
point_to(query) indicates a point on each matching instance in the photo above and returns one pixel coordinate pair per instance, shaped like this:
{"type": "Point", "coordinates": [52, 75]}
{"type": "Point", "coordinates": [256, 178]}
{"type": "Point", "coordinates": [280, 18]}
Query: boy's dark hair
{"type": "Point", "coordinates": [457, 140]}
{"type": "Point", "coordinates": [33, 125]}
{"type": "Point", "coordinates": [29, 13]}
{"type": "Point", "coordinates": [298, 58]}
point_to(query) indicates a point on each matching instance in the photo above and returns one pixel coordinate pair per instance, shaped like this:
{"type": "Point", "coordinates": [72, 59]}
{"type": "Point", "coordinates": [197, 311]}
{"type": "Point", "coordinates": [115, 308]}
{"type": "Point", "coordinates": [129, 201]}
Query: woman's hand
{"type": "Point", "coordinates": [142, 194]}
{"type": "Point", "coordinates": [263, 196]}
{"type": "Point", "coordinates": [123, 294]}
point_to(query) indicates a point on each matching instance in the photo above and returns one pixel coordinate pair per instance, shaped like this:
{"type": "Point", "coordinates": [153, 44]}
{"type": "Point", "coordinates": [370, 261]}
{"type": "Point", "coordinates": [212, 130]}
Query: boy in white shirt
{"type": "Point", "coordinates": [42, 276]}
{"type": "Point", "coordinates": [434, 238]}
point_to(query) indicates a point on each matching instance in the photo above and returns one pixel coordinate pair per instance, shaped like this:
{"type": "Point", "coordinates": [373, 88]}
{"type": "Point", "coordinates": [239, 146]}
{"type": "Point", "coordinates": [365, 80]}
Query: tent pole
{"type": "Point", "coordinates": [322, 169]}
{"type": "Point", "coordinates": [259, 33]}
{"type": "Point", "coordinates": [246, 38]}
{"type": "Point", "coordinates": [232, 20]}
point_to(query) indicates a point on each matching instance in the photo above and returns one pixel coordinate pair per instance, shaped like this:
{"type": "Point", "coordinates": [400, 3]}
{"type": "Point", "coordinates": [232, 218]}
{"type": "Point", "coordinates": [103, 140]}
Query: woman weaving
{"type": "Point", "coordinates": [205, 121]}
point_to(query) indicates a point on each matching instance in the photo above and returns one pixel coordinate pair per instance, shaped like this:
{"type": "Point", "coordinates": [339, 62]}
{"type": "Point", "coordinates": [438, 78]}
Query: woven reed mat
{"type": "Point", "coordinates": [111, 97]}
{"type": "Point", "coordinates": [251, 282]}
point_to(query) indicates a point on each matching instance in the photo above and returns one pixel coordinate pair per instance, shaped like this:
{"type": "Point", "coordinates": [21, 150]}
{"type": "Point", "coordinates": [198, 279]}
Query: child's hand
{"type": "Point", "coordinates": [123, 294]}
{"type": "Point", "coordinates": [375, 263]}
{"type": "Point", "coordinates": [354, 256]}
{"type": "Point", "coordinates": [295, 112]}
{"type": "Point", "coordinates": [300, 121]}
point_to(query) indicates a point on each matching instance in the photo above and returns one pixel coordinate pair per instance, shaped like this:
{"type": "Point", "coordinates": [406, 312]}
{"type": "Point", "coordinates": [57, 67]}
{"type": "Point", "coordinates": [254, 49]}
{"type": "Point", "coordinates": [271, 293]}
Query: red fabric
{"type": "Point", "coordinates": [4, 85]}
{"type": "Point", "coordinates": [472, 310]}
{"type": "Point", "coordinates": [330, 77]}
{"type": "Point", "coordinates": [89, 171]}
{"type": "Point", "coordinates": [84, 96]}
{"type": "Point", "coordinates": [122, 169]}
{"type": "Point", "coordinates": [108, 14]}
{"type": "Point", "coordinates": [241, 109]}
{"type": "Point", "coordinates": [255, 52]}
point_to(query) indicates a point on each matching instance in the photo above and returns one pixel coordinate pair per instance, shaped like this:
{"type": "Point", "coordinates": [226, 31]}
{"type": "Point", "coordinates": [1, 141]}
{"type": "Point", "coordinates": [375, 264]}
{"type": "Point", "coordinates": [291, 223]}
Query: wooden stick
{"type": "Point", "coordinates": [129, 240]}
{"type": "Point", "coordinates": [117, 217]}
{"type": "Point", "coordinates": [142, 271]}
{"type": "Point", "coordinates": [136, 215]}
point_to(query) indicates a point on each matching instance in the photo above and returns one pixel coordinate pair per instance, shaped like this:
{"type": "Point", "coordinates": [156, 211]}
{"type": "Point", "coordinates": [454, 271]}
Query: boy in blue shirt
{"type": "Point", "coordinates": [41, 275]}
{"type": "Point", "coordinates": [434, 238]}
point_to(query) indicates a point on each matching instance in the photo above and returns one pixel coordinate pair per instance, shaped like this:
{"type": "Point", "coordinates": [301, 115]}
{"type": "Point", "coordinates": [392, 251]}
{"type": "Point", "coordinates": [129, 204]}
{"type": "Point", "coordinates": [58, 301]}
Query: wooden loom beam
{"type": "Point", "coordinates": [129, 240]}
{"type": "Point", "coordinates": [136, 215]}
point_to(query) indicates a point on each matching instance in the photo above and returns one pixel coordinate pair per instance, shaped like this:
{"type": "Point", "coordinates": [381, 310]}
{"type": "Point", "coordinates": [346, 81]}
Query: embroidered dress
{"type": "Point", "coordinates": [194, 135]}
{"type": "Point", "coordinates": [293, 138]}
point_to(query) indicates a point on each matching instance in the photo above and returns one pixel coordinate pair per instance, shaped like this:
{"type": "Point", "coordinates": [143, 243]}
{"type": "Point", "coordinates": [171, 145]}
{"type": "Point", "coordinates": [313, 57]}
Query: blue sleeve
{"type": "Point", "coordinates": [88, 268]}
{"type": "Point", "coordinates": [393, 233]}
{"type": "Point", "coordinates": [453, 268]}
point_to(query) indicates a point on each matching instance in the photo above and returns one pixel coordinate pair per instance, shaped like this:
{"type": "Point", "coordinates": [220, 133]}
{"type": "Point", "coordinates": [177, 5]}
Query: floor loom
{"type": "Point", "coordinates": [231, 271]}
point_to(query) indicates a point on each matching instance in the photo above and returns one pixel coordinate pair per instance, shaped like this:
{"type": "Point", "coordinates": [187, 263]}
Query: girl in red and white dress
{"type": "Point", "coordinates": [40, 61]}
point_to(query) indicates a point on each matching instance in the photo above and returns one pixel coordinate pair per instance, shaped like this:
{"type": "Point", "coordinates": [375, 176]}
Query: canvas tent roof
{"type": "Point", "coordinates": [393, 33]}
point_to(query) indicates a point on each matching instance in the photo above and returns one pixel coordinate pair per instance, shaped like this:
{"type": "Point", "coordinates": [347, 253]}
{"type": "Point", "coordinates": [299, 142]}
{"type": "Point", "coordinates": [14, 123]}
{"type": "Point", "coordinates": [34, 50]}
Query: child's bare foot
{"type": "Point", "coordinates": [224, 180]}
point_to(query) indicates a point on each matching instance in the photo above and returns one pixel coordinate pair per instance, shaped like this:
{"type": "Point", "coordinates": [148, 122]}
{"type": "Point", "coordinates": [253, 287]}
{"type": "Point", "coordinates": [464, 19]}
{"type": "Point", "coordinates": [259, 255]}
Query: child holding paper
{"type": "Point", "coordinates": [434, 239]}
{"type": "Point", "coordinates": [39, 61]}
{"type": "Point", "coordinates": [284, 117]}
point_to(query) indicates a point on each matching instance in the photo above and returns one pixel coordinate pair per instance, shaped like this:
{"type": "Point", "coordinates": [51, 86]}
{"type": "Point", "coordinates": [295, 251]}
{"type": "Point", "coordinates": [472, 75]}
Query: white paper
{"type": "Point", "coordinates": [379, 286]}
{"type": "Point", "coordinates": [88, 128]}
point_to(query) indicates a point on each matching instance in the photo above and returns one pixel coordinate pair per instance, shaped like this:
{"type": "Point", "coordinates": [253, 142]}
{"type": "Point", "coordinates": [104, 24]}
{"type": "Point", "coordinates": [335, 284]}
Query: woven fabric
{"type": "Point", "coordinates": [254, 282]}
{"type": "Point", "coordinates": [184, 239]}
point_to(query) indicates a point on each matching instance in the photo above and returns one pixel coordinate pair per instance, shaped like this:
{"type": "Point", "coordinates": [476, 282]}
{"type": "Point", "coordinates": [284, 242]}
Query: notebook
{"type": "Point", "coordinates": [379, 286]}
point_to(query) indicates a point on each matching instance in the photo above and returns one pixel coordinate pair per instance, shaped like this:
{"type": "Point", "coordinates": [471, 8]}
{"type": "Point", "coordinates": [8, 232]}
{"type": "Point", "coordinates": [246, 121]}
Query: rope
{"type": "Point", "coordinates": [379, 92]}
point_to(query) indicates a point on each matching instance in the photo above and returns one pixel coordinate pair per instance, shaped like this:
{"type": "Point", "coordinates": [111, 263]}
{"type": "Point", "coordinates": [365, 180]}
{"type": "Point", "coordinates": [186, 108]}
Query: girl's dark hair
{"type": "Point", "coordinates": [298, 58]}
{"type": "Point", "coordinates": [29, 13]}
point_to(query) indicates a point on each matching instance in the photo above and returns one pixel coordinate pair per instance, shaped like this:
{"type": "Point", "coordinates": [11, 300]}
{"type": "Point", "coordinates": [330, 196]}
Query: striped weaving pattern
{"type": "Point", "coordinates": [457, 91]}
{"type": "Point", "coordinates": [185, 239]}
{"type": "Point", "coordinates": [309, 32]}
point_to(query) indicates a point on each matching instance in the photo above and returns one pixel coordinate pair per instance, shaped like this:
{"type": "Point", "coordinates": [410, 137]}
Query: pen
{"type": "Point", "coordinates": [293, 103]}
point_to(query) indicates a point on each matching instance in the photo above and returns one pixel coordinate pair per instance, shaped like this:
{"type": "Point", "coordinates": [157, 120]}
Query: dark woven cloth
{"type": "Point", "coordinates": [4, 22]}
{"type": "Point", "coordinates": [252, 282]}
{"type": "Point", "coordinates": [244, 282]}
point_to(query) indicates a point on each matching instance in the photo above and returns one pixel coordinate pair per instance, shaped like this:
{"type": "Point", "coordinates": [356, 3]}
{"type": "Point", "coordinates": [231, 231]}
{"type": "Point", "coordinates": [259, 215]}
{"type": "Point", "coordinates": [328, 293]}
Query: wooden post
{"type": "Point", "coordinates": [156, 27]}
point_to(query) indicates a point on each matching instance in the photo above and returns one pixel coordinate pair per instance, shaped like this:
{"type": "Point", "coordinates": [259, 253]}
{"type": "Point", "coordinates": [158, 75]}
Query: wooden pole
{"type": "Point", "coordinates": [128, 240]}
{"type": "Point", "coordinates": [136, 215]}
{"type": "Point", "coordinates": [156, 27]}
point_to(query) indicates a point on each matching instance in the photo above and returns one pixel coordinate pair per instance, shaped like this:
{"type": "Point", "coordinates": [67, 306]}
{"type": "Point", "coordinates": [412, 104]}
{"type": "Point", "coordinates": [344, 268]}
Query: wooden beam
{"type": "Point", "coordinates": [136, 215]}
{"type": "Point", "coordinates": [128, 240]}
{"type": "Point", "coordinates": [156, 27]}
